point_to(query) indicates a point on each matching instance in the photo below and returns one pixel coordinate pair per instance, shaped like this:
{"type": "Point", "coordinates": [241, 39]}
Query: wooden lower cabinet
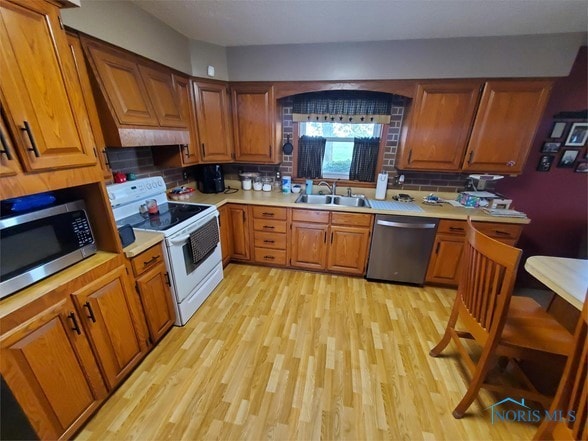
{"type": "Point", "coordinates": [336, 242]}
{"type": "Point", "coordinates": [153, 287]}
{"type": "Point", "coordinates": [308, 246]}
{"type": "Point", "coordinates": [108, 311]}
{"type": "Point", "coordinates": [445, 263]}
{"type": "Point", "coordinates": [238, 217]}
{"type": "Point", "coordinates": [48, 364]}
{"type": "Point", "coordinates": [225, 234]}
{"type": "Point", "coordinates": [270, 235]}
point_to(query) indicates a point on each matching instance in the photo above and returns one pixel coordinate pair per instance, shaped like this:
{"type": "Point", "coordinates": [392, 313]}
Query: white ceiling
{"type": "Point", "coordinates": [263, 22]}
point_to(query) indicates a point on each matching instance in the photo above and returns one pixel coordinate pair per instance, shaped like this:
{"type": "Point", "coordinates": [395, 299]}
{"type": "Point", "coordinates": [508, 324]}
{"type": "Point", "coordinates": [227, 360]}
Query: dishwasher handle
{"type": "Point", "coordinates": [405, 225]}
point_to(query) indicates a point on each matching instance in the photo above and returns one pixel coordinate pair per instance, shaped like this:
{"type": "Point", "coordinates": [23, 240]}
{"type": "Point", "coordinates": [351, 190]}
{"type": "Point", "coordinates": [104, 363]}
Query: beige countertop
{"type": "Point", "coordinates": [143, 241]}
{"type": "Point", "coordinates": [443, 211]}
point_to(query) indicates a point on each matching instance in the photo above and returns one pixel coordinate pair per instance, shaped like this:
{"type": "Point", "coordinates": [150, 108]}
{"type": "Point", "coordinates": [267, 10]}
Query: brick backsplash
{"type": "Point", "coordinates": [139, 160]}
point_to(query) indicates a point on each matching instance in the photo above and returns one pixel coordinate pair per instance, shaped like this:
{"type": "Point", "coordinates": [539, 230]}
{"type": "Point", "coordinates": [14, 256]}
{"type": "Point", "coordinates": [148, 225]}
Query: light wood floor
{"type": "Point", "coordinates": [281, 354]}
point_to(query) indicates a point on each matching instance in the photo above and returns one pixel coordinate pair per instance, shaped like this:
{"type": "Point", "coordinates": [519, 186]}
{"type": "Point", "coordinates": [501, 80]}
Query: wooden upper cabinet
{"type": "Point", "coordinates": [49, 366]}
{"type": "Point", "coordinates": [189, 154]}
{"type": "Point", "coordinates": [40, 88]}
{"type": "Point", "coordinates": [439, 125]}
{"type": "Point", "coordinates": [165, 100]}
{"type": "Point", "coordinates": [254, 123]}
{"type": "Point", "coordinates": [77, 53]}
{"type": "Point", "coordinates": [505, 125]}
{"type": "Point", "coordinates": [9, 165]}
{"type": "Point", "coordinates": [212, 115]}
{"type": "Point", "coordinates": [120, 78]}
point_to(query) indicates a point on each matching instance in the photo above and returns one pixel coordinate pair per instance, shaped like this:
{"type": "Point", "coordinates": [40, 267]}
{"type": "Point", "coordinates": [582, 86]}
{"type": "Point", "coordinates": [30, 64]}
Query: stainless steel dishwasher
{"type": "Point", "coordinates": [401, 247]}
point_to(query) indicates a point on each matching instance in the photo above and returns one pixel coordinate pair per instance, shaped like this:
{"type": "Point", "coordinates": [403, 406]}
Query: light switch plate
{"type": "Point", "coordinates": [210, 71]}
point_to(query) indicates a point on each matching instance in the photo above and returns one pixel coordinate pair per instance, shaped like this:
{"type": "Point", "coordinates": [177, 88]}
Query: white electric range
{"type": "Point", "coordinates": [191, 234]}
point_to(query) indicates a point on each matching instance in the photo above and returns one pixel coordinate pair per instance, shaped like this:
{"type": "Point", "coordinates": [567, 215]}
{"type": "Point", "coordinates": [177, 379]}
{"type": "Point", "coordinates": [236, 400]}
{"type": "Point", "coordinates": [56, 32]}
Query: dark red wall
{"type": "Point", "coordinates": [555, 201]}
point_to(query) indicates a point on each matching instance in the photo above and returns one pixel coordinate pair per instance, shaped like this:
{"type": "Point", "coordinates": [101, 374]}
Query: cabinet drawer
{"type": "Point", "coordinates": [266, 255]}
{"type": "Point", "coordinates": [508, 233]}
{"type": "Point", "coordinates": [351, 219]}
{"type": "Point", "coordinates": [310, 216]}
{"type": "Point", "coordinates": [270, 213]}
{"type": "Point", "coordinates": [147, 259]}
{"type": "Point", "coordinates": [271, 226]}
{"type": "Point", "coordinates": [270, 240]}
{"type": "Point", "coordinates": [452, 227]}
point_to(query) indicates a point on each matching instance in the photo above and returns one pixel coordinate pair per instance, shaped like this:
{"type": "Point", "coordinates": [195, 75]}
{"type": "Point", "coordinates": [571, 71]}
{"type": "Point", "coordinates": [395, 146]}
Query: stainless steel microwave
{"type": "Point", "coordinates": [36, 244]}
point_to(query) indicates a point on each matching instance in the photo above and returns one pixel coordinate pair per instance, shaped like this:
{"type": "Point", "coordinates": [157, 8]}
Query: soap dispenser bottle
{"type": "Point", "coordinates": [382, 185]}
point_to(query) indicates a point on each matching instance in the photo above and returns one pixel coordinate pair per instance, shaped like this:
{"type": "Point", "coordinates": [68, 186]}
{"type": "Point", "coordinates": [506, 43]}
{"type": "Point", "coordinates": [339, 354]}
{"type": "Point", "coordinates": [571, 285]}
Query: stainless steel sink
{"type": "Point", "coordinates": [350, 201]}
{"type": "Point", "coordinates": [314, 199]}
{"type": "Point", "coordinates": [346, 201]}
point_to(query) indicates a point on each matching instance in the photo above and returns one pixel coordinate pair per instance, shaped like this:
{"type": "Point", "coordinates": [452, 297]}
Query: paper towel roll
{"type": "Point", "coordinates": [382, 185]}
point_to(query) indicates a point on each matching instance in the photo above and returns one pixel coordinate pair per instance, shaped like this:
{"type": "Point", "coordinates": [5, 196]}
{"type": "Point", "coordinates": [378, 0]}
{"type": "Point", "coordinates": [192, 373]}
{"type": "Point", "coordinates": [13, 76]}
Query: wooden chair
{"type": "Point", "coordinates": [503, 325]}
{"type": "Point", "coordinates": [572, 393]}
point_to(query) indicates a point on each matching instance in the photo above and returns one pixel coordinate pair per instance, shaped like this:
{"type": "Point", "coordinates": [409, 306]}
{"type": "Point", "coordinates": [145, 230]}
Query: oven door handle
{"type": "Point", "coordinates": [180, 240]}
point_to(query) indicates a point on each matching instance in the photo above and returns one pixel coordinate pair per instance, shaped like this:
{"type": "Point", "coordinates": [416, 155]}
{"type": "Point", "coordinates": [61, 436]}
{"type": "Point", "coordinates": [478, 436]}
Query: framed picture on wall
{"type": "Point", "coordinates": [545, 163]}
{"type": "Point", "coordinates": [581, 167]}
{"type": "Point", "coordinates": [567, 158]}
{"type": "Point", "coordinates": [578, 135]}
{"type": "Point", "coordinates": [550, 147]}
{"type": "Point", "coordinates": [558, 130]}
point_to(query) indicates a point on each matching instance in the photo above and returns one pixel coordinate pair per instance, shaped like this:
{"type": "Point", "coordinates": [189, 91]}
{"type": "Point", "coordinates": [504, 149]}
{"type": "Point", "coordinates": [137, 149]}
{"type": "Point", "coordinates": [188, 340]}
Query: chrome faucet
{"type": "Point", "coordinates": [332, 189]}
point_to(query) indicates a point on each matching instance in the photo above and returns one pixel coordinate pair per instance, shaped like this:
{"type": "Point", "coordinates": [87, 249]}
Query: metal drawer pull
{"type": "Point", "coordinates": [501, 233]}
{"type": "Point", "coordinates": [5, 150]}
{"type": "Point", "coordinates": [269, 241]}
{"type": "Point", "coordinates": [75, 327]}
{"type": "Point", "coordinates": [456, 229]}
{"type": "Point", "coordinates": [91, 315]}
{"type": "Point", "coordinates": [265, 213]}
{"type": "Point", "coordinates": [33, 148]}
{"type": "Point", "coordinates": [269, 257]}
{"type": "Point", "coordinates": [150, 261]}
{"type": "Point", "coordinates": [269, 227]}
{"type": "Point", "coordinates": [405, 225]}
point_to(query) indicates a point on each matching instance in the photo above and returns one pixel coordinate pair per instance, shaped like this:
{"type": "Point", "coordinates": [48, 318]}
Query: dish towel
{"type": "Point", "coordinates": [204, 240]}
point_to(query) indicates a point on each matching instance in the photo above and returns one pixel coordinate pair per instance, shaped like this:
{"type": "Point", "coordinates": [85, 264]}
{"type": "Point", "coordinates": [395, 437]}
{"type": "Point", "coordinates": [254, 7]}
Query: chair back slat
{"type": "Point", "coordinates": [487, 277]}
{"type": "Point", "coordinates": [579, 394]}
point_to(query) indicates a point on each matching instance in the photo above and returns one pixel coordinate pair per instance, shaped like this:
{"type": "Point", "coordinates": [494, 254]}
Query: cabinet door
{"type": "Point", "coordinates": [440, 121]}
{"type": "Point", "coordinates": [157, 302]}
{"type": "Point", "coordinates": [239, 222]}
{"type": "Point", "coordinates": [9, 165]}
{"type": "Point", "coordinates": [189, 152]}
{"type": "Point", "coordinates": [505, 125]}
{"type": "Point", "coordinates": [120, 80]}
{"type": "Point", "coordinates": [253, 123]}
{"type": "Point", "coordinates": [163, 96]}
{"type": "Point", "coordinates": [107, 313]}
{"type": "Point", "coordinates": [77, 53]}
{"type": "Point", "coordinates": [48, 365]}
{"type": "Point", "coordinates": [445, 260]}
{"type": "Point", "coordinates": [348, 249]}
{"type": "Point", "coordinates": [225, 234]}
{"type": "Point", "coordinates": [212, 114]}
{"type": "Point", "coordinates": [39, 85]}
{"type": "Point", "coordinates": [309, 245]}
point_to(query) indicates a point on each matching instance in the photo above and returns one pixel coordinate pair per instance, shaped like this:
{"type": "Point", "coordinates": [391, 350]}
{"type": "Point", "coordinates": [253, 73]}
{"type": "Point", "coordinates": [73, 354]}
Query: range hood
{"type": "Point", "coordinates": [139, 102]}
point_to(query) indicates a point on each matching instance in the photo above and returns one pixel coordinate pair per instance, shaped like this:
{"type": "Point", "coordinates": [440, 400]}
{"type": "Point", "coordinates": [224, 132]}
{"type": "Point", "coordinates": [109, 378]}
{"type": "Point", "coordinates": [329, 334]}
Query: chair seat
{"type": "Point", "coordinates": [528, 325]}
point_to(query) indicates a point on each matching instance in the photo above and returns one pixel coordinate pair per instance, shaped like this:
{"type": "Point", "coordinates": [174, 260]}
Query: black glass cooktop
{"type": "Point", "coordinates": [170, 214]}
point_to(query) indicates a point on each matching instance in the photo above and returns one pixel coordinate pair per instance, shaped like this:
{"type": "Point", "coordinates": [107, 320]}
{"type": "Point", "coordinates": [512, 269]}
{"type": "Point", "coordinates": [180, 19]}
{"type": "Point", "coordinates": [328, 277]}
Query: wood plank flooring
{"type": "Point", "coordinates": [282, 354]}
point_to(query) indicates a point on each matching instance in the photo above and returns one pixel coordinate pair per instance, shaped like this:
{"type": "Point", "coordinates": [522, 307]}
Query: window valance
{"type": "Point", "coordinates": [346, 106]}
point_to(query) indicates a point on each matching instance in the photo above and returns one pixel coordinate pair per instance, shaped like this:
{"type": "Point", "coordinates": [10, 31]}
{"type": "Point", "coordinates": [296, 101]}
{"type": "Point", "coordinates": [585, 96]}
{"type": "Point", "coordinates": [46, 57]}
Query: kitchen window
{"type": "Point", "coordinates": [339, 145]}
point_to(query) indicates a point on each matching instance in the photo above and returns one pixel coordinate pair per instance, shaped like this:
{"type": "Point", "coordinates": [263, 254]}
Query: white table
{"type": "Point", "coordinates": [568, 278]}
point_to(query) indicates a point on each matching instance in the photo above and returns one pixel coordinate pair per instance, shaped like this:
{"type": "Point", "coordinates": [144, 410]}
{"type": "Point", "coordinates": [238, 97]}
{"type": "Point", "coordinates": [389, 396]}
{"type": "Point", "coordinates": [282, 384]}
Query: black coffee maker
{"type": "Point", "coordinates": [210, 178]}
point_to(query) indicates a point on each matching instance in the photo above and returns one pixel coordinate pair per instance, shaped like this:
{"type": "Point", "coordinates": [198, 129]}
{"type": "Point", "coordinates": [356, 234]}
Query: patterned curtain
{"type": "Point", "coordinates": [311, 151]}
{"type": "Point", "coordinates": [345, 106]}
{"type": "Point", "coordinates": [364, 159]}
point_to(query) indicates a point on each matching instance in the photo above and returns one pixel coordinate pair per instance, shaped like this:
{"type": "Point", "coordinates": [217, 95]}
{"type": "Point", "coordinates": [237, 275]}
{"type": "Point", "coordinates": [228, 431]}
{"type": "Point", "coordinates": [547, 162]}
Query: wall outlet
{"type": "Point", "coordinates": [185, 175]}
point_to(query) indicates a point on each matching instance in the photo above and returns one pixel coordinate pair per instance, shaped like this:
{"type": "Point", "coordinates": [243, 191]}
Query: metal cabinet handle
{"type": "Point", "coordinates": [269, 257]}
{"type": "Point", "coordinates": [91, 315]}
{"type": "Point", "coordinates": [75, 327]}
{"type": "Point", "coordinates": [456, 229]}
{"type": "Point", "coordinates": [202, 148]}
{"type": "Point", "coordinates": [501, 233]}
{"type": "Point", "coordinates": [471, 157]}
{"type": "Point", "coordinates": [269, 241]}
{"type": "Point", "coordinates": [409, 155]}
{"type": "Point", "coordinates": [150, 261]}
{"type": "Point", "coordinates": [186, 150]}
{"type": "Point", "coordinates": [5, 149]}
{"type": "Point", "coordinates": [268, 227]}
{"type": "Point", "coordinates": [405, 225]}
{"type": "Point", "coordinates": [167, 279]}
{"type": "Point", "coordinates": [33, 148]}
{"type": "Point", "coordinates": [266, 213]}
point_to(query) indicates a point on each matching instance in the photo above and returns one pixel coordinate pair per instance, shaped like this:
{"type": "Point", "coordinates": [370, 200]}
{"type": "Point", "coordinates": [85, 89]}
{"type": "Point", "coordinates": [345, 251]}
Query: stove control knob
{"type": "Point", "coordinates": [111, 196]}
